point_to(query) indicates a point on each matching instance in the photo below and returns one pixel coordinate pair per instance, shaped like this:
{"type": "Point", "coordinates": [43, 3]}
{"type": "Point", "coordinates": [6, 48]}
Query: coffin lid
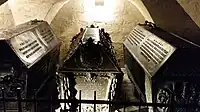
{"type": "Point", "coordinates": [30, 41]}
{"type": "Point", "coordinates": [150, 51]}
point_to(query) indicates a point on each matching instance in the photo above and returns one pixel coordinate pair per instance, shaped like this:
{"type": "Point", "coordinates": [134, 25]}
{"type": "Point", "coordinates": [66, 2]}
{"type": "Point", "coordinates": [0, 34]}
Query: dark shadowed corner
{"type": "Point", "coordinates": [171, 16]}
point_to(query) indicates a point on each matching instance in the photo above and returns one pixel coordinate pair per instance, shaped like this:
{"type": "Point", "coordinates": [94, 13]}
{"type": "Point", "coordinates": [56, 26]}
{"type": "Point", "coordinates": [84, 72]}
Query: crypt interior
{"type": "Point", "coordinates": [121, 71]}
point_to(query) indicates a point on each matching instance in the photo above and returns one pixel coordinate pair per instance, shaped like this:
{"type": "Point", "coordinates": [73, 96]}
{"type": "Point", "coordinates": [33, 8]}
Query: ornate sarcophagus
{"type": "Point", "coordinates": [163, 66]}
{"type": "Point", "coordinates": [29, 55]}
{"type": "Point", "coordinates": [91, 66]}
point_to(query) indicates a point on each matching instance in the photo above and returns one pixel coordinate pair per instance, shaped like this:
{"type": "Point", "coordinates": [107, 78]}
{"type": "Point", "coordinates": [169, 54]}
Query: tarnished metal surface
{"type": "Point", "coordinates": [30, 41]}
{"type": "Point", "coordinates": [74, 46]}
{"type": "Point", "coordinates": [150, 51]}
{"type": "Point", "coordinates": [27, 47]}
{"type": "Point", "coordinates": [28, 64]}
{"type": "Point", "coordinates": [92, 64]}
{"type": "Point", "coordinates": [46, 35]}
{"type": "Point", "coordinates": [6, 34]}
{"type": "Point", "coordinates": [91, 57]}
{"type": "Point", "coordinates": [167, 64]}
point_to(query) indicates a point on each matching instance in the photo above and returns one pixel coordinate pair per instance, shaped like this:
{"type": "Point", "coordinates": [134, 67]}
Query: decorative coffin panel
{"type": "Point", "coordinates": [150, 51]}
{"type": "Point", "coordinates": [46, 35]}
{"type": "Point", "coordinates": [30, 41]}
{"type": "Point", "coordinates": [27, 47]}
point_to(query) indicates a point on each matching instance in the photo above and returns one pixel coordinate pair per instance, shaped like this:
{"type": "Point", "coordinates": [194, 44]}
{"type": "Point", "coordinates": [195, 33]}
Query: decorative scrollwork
{"type": "Point", "coordinates": [190, 94]}
{"type": "Point", "coordinates": [99, 108]}
{"type": "Point", "coordinates": [113, 88]}
{"type": "Point", "coordinates": [183, 93]}
{"type": "Point", "coordinates": [88, 59]}
{"type": "Point", "coordinates": [163, 97]}
{"type": "Point", "coordinates": [10, 85]}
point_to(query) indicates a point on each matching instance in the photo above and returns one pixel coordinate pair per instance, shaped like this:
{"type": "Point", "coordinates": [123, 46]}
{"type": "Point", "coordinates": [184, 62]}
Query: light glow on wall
{"type": "Point", "coordinates": [100, 13]}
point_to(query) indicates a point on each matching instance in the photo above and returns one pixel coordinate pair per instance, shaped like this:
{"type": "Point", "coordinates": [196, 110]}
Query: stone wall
{"type": "Point", "coordinates": [192, 8]}
{"type": "Point", "coordinates": [141, 7]}
{"type": "Point", "coordinates": [26, 10]}
{"type": "Point", "coordinates": [72, 17]}
{"type": "Point", "coordinates": [6, 18]}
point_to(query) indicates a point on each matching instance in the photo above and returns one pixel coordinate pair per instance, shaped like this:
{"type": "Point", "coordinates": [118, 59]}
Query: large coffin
{"type": "Point", "coordinates": [163, 66]}
{"type": "Point", "coordinates": [91, 65]}
{"type": "Point", "coordinates": [94, 57]}
{"type": "Point", "coordinates": [29, 55]}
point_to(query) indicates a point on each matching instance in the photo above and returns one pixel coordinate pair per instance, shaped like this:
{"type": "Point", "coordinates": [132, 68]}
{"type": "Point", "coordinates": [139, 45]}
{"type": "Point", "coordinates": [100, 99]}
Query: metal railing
{"type": "Point", "coordinates": [141, 105]}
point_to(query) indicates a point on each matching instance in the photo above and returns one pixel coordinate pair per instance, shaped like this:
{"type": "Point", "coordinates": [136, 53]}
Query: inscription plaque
{"type": "Point", "coordinates": [27, 47]}
{"type": "Point", "coordinates": [150, 51]}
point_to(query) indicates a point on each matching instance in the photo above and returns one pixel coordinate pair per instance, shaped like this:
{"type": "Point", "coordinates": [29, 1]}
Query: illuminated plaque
{"type": "Point", "coordinates": [27, 47]}
{"type": "Point", "coordinates": [93, 33]}
{"type": "Point", "coordinates": [150, 50]}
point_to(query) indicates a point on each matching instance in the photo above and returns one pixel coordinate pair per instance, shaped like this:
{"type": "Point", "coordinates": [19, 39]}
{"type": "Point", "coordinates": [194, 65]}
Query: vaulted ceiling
{"type": "Point", "coordinates": [181, 17]}
{"type": "Point", "coordinates": [178, 16]}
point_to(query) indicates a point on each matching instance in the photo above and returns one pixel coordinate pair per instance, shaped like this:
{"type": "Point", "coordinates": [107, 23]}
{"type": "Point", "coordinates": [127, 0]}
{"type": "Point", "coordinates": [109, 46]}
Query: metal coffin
{"type": "Point", "coordinates": [144, 54]}
{"type": "Point", "coordinates": [148, 49]}
{"type": "Point", "coordinates": [32, 58]}
{"type": "Point", "coordinates": [91, 67]}
{"type": "Point", "coordinates": [94, 57]}
{"type": "Point", "coordinates": [162, 64]}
